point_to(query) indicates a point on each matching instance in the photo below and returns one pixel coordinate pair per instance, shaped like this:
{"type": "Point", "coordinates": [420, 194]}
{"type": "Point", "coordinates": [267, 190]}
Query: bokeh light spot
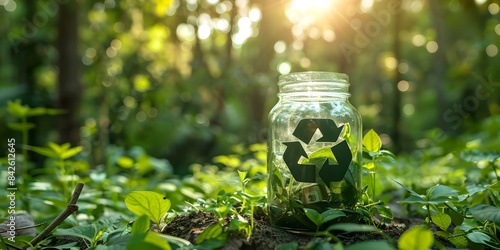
{"type": "Point", "coordinates": [432, 47]}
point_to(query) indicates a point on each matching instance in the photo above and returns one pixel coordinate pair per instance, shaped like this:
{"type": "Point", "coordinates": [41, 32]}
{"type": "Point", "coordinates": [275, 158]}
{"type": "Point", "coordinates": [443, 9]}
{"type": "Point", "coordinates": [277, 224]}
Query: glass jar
{"type": "Point", "coordinates": [314, 149]}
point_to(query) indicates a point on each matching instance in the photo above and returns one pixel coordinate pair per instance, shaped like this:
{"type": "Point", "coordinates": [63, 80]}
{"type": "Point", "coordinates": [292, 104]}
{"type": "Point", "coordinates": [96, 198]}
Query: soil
{"type": "Point", "coordinates": [266, 236]}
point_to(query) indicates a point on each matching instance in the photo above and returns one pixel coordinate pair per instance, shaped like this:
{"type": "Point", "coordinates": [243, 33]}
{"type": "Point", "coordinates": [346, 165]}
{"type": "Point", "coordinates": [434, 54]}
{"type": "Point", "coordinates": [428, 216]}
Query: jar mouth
{"type": "Point", "coordinates": [314, 84]}
{"type": "Point", "coordinates": [314, 76]}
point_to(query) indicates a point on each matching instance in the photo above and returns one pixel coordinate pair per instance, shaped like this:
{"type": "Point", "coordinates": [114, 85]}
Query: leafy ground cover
{"type": "Point", "coordinates": [443, 195]}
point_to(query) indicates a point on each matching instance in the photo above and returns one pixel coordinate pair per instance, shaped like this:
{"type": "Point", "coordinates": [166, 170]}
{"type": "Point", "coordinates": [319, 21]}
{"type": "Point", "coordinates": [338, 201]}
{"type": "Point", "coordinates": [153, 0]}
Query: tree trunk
{"type": "Point", "coordinates": [69, 84]}
{"type": "Point", "coordinates": [439, 63]}
{"type": "Point", "coordinates": [396, 135]}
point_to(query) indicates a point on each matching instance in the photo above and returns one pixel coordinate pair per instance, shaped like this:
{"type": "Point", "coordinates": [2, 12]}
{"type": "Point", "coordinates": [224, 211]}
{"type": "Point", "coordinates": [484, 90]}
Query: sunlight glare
{"type": "Point", "coordinates": [310, 6]}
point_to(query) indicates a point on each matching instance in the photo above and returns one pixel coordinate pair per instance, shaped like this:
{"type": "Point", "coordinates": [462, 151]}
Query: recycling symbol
{"type": "Point", "coordinates": [305, 131]}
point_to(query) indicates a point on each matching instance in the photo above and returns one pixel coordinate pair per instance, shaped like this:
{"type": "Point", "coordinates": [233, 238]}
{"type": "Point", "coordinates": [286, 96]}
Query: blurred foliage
{"type": "Point", "coordinates": [187, 79]}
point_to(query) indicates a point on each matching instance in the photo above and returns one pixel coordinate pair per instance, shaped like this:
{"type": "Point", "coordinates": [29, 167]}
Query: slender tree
{"type": "Point", "coordinates": [69, 79]}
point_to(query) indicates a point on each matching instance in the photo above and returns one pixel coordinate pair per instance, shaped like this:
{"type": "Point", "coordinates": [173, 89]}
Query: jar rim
{"type": "Point", "coordinates": [314, 76]}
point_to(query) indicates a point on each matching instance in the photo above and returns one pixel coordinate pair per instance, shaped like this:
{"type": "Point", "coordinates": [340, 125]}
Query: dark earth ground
{"type": "Point", "coordinates": [266, 236]}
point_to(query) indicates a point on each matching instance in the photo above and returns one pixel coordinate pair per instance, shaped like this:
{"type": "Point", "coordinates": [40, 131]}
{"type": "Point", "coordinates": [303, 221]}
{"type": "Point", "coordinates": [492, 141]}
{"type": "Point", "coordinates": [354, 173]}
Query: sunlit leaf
{"type": "Point", "coordinates": [486, 212]}
{"type": "Point", "coordinates": [141, 224]}
{"type": "Point", "coordinates": [442, 220]}
{"type": "Point", "coordinates": [372, 142]}
{"type": "Point", "coordinates": [417, 238]}
{"type": "Point", "coordinates": [149, 203]}
{"type": "Point", "coordinates": [44, 151]}
{"type": "Point", "coordinates": [441, 191]}
{"type": "Point", "coordinates": [70, 152]}
{"type": "Point", "coordinates": [369, 166]}
{"type": "Point", "coordinates": [125, 162]}
{"type": "Point", "coordinates": [459, 239]}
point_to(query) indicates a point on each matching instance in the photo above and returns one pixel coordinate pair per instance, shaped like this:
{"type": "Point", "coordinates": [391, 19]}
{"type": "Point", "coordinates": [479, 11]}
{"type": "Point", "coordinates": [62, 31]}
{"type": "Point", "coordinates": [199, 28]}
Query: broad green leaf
{"type": "Point", "coordinates": [141, 224]}
{"type": "Point", "coordinates": [417, 238]}
{"type": "Point", "coordinates": [154, 239]}
{"type": "Point", "coordinates": [70, 152]}
{"type": "Point", "coordinates": [48, 152]}
{"type": "Point", "coordinates": [372, 141]}
{"type": "Point", "coordinates": [473, 189]}
{"type": "Point", "coordinates": [486, 212]}
{"type": "Point", "coordinates": [331, 214]}
{"type": "Point", "coordinates": [376, 244]}
{"type": "Point", "coordinates": [147, 242]}
{"type": "Point", "coordinates": [441, 220]}
{"type": "Point", "coordinates": [149, 203]}
{"type": "Point", "coordinates": [440, 191]}
{"type": "Point", "coordinates": [36, 111]}
{"type": "Point", "coordinates": [478, 237]}
{"type": "Point", "coordinates": [352, 227]}
{"type": "Point", "coordinates": [456, 218]}
{"type": "Point", "coordinates": [211, 232]}
{"type": "Point", "coordinates": [319, 156]}
{"type": "Point", "coordinates": [385, 212]}
{"type": "Point", "coordinates": [314, 216]}
{"type": "Point", "coordinates": [414, 200]}
{"type": "Point", "coordinates": [458, 239]}
{"type": "Point", "coordinates": [495, 186]}
{"type": "Point", "coordinates": [88, 232]}
{"type": "Point", "coordinates": [125, 162]}
{"type": "Point", "coordinates": [21, 126]}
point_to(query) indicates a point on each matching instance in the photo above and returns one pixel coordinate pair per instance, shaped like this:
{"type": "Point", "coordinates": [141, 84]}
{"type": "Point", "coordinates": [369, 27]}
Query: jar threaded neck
{"type": "Point", "coordinates": [314, 84]}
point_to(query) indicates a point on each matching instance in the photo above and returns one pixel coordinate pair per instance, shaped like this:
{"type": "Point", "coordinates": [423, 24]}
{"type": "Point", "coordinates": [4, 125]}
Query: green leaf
{"type": "Point", "coordinates": [21, 126]}
{"type": "Point", "coordinates": [408, 189]}
{"type": "Point", "coordinates": [439, 191]}
{"type": "Point", "coordinates": [125, 162]}
{"type": "Point", "coordinates": [352, 227]}
{"type": "Point", "coordinates": [458, 239]}
{"type": "Point", "coordinates": [495, 186]}
{"type": "Point", "coordinates": [417, 238]}
{"type": "Point", "coordinates": [141, 224]}
{"type": "Point", "coordinates": [48, 152]}
{"type": "Point", "coordinates": [486, 212]}
{"type": "Point", "coordinates": [211, 232]}
{"type": "Point", "coordinates": [385, 212]}
{"type": "Point", "coordinates": [479, 155]}
{"type": "Point", "coordinates": [151, 204]}
{"type": "Point", "coordinates": [70, 152]}
{"type": "Point", "coordinates": [147, 241]}
{"type": "Point", "coordinates": [331, 214]}
{"type": "Point", "coordinates": [88, 232]}
{"type": "Point", "coordinates": [319, 156]}
{"type": "Point", "coordinates": [456, 218]}
{"type": "Point", "coordinates": [478, 237]}
{"type": "Point", "coordinates": [441, 220]}
{"type": "Point", "coordinates": [15, 108]}
{"type": "Point", "coordinates": [369, 165]}
{"type": "Point", "coordinates": [314, 216]}
{"type": "Point", "coordinates": [372, 142]}
{"type": "Point", "coordinates": [377, 244]}
{"type": "Point", "coordinates": [414, 200]}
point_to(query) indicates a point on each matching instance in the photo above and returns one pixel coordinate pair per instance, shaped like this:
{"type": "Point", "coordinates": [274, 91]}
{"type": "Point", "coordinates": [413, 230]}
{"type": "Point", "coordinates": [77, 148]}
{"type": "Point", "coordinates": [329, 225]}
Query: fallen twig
{"type": "Point", "coordinates": [70, 208]}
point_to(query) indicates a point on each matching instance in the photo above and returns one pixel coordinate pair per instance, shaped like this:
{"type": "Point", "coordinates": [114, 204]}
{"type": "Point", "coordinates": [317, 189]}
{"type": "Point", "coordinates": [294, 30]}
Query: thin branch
{"type": "Point", "coordinates": [70, 208]}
